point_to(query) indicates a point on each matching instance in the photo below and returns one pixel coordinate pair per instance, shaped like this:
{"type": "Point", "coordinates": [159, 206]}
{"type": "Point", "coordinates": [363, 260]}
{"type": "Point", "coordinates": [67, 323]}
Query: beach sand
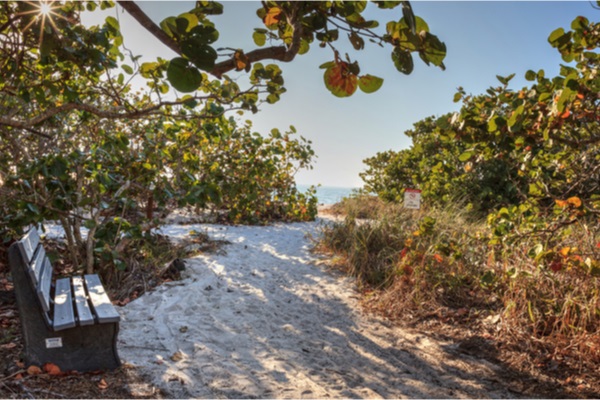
{"type": "Point", "coordinates": [265, 318]}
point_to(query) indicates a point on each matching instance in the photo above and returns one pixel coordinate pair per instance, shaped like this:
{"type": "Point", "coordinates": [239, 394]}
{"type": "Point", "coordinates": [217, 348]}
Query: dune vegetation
{"type": "Point", "coordinates": [508, 235]}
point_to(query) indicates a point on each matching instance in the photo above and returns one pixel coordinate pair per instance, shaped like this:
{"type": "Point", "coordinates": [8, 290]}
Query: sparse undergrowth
{"type": "Point", "coordinates": [417, 265]}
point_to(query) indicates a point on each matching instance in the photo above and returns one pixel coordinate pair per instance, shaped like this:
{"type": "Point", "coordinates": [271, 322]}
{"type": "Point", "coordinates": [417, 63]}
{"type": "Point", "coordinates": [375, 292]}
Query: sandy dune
{"type": "Point", "coordinates": [264, 319]}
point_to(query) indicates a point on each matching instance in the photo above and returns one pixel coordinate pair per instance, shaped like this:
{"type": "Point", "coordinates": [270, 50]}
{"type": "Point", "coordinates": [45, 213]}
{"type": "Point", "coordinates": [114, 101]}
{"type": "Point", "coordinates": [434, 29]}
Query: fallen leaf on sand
{"type": "Point", "coordinates": [177, 356]}
{"type": "Point", "coordinates": [34, 370]}
{"type": "Point", "coordinates": [102, 384]}
{"type": "Point", "coordinates": [52, 369]}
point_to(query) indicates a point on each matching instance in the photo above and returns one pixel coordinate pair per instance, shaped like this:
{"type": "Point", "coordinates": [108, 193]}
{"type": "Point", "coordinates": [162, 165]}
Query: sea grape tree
{"type": "Point", "coordinates": [82, 145]}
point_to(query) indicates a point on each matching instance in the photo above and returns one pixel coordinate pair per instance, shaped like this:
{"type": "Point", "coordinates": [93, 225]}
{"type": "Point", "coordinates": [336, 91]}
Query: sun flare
{"type": "Point", "coordinates": [45, 9]}
{"type": "Point", "coordinates": [44, 13]}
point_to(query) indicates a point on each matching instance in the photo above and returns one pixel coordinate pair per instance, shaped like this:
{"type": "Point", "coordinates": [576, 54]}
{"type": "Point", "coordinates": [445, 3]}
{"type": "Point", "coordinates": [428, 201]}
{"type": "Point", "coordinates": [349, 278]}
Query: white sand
{"type": "Point", "coordinates": [263, 319]}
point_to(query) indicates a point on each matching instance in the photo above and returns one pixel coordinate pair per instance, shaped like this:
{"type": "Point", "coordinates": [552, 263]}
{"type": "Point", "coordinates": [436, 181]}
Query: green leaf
{"type": "Point", "coordinates": [434, 52]}
{"type": "Point", "coordinates": [202, 55]}
{"type": "Point", "coordinates": [33, 208]}
{"type": "Point", "coordinates": [535, 190]}
{"type": "Point", "coordinates": [259, 38]}
{"type": "Point", "coordinates": [369, 83]}
{"type": "Point", "coordinates": [388, 4]}
{"type": "Point", "coordinates": [113, 22]}
{"type": "Point", "coordinates": [185, 22]}
{"type": "Point", "coordinates": [505, 79]}
{"type": "Point", "coordinates": [530, 75]}
{"type": "Point", "coordinates": [556, 34]}
{"type": "Point", "coordinates": [357, 42]}
{"type": "Point", "coordinates": [402, 61]}
{"type": "Point", "coordinates": [204, 34]}
{"type": "Point", "coordinates": [326, 65]}
{"type": "Point", "coordinates": [127, 69]}
{"type": "Point", "coordinates": [409, 16]}
{"type": "Point", "coordinates": [466, 156]}
{"type": "Point", "coordinates": [208, 8]}
{"type": "Point", "coordinates": [169, 26]}
{"type": "Point", "coordinates": [182, 76]}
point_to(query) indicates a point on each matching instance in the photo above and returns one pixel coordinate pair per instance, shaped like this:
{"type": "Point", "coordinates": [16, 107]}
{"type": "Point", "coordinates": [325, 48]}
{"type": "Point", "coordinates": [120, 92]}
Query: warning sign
{"type": "Point", "coordinates": [412, 198]}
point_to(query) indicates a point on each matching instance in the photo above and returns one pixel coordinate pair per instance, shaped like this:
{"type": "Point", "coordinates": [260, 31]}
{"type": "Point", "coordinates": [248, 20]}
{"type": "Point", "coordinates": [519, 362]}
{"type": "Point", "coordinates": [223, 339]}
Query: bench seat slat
{"type": "Point", "coordinates": [43, 289]}
{"type": "Point", "coordinates": [101, 304]}
{"type": "Point", "coordinates": [81, 302]}
{"type": "Point", "coordinates": [64, 316]}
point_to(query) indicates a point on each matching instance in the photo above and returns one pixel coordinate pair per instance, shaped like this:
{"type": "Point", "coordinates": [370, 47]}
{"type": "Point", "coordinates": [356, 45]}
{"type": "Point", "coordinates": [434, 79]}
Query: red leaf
{"type": "Point", "coordinates": [340, 81]}
{"type": "Point", "coordinates": [52, 369]}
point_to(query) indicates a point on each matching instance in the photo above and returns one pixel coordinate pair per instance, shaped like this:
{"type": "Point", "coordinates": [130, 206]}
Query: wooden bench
{"type": "Point", "coordinates": [71, 322]}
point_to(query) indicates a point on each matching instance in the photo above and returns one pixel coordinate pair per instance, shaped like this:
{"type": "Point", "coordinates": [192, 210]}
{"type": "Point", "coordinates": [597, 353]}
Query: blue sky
{"type": "Point", "coordinates": [483, 38]}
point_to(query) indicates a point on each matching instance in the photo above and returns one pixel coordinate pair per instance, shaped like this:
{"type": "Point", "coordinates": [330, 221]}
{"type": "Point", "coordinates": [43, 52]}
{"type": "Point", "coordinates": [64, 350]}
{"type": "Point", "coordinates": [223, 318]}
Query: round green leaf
{"type": "Point", "coordinates": [530, 75]}
{"type": "Point", "coordinates": [403, 61]}
{"type": "Point", "coordinates": [465, 156]}
{"type": "Point", "coordinates": [202, 55]}
{"type": "Point", "coordinates": [183, 76]}
{"type": "Point", "coordinates": [369, 83]}
{"type": "Point", "coordinates": [259, 38]}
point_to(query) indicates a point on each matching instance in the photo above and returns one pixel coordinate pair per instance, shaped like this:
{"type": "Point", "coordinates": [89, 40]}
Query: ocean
{"type": "Point", "coordinates": [329, 194]}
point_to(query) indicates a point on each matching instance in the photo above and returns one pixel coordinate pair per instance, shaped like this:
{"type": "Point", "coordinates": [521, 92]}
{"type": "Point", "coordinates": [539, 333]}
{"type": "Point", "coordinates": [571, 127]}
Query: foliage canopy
{"type": "Point", "coordinates": [80, 144]}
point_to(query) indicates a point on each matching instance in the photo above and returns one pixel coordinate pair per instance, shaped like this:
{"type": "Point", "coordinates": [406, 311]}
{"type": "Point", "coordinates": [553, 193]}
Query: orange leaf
{"type": "Point", "coordinates": [580, 96]}
{"type": "Point", "coordinates": [438, 258]}
{"type": "Point", "coordinates": [561, 203]}
{"type": "Point", "coordinates": [273, 16]}
{"type": "Point", "coordinates": [574, 201]}
{"type": "Point", "coordinates": [598, 245]}
{"type": "Point", "coordinates": [241, 61]}
{"type": "Point", "coordinates": [102, 384]}
{"type": "Point", "coordinates": [565, 251]}
{"type": "Point", "coordinates": [34, 370]}
{"type": "Point", "coordinates": [52, 369]}
{"type": "Point", "coordinates": [565, 114]}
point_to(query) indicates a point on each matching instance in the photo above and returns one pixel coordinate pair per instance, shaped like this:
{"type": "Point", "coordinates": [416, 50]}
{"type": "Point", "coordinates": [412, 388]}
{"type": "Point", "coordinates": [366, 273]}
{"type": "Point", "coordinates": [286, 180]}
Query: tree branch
{"type": "Point", "coordinates": [136, 12]}
{"type": "Point", "coordinates": [280, 53]}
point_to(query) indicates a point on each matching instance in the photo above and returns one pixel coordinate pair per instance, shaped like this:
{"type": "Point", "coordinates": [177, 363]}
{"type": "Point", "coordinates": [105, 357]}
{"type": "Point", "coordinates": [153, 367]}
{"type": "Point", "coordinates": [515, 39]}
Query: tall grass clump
{"type": "Point", "coordinates": [416, 259]}
{"type": "Point", "coordinates": [541, 286]}
{"type": "Point", "coordinates": [552, 299]}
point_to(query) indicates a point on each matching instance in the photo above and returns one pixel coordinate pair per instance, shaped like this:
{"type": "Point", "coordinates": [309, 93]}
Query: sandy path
{"type": "Point", "coordinates": [263, 320]}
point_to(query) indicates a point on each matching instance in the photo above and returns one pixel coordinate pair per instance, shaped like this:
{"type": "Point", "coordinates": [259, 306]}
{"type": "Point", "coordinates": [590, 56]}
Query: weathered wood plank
{"type": "Point", "coordinates": [64, 316]}
{"type": "Point", "coordinates": [81, 302]}
{"type": "Point", "coordinates": [101, 304]}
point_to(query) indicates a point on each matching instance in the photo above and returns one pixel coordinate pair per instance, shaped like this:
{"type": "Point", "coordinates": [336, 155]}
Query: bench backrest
{"type": "Point", "coordinates": [39, 267]}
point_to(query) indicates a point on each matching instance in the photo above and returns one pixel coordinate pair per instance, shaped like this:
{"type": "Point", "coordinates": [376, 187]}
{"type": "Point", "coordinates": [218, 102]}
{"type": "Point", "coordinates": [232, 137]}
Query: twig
{"type": "Point", "coordinates": [21, 371]}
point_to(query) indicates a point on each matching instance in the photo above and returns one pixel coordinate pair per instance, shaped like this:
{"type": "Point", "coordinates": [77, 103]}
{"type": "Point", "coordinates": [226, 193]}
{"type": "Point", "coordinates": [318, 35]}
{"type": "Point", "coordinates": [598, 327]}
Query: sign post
{"type": "Point", "coordinates": [412, 199]}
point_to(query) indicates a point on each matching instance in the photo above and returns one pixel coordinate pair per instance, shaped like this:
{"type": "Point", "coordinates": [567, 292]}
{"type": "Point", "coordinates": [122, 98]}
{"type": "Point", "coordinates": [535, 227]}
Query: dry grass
{"type": "Point", "coordinates": [440, 264]}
